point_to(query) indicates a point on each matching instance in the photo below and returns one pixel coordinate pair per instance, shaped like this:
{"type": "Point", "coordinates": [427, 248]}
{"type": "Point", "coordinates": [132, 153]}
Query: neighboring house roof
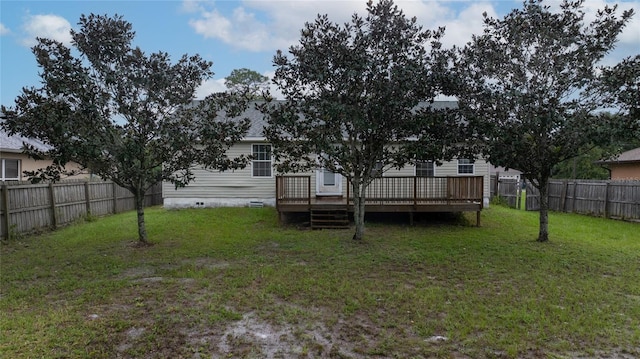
{"type": "Point", "coordinates": [14, 143]}
{"type": "Point", "coordinates": [631, 156]}
{"type": "Point", "coordinates": [493, 169]}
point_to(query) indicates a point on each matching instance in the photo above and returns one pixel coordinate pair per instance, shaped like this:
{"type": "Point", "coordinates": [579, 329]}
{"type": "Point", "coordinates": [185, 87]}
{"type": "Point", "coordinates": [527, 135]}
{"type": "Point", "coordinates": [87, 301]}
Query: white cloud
{"type": "Point", "coordinates": [273, 89]}
{"type": "Point", "coordinates": [631, 33]}
{"type": "Point", "coordinates": [461, 26]}
{"type": "Point", "coordinates": [270, 25]}
{"type": "Point", "coordinates": [264, 25]}
{"type": "Point", "coordinates": [191, 6]}
{"type": "Point", "coordinates": [4, 30]}
{"type": "Point", "coordinates": [46, 26]}
{"type": "Point", "coordinates": [210, 86]}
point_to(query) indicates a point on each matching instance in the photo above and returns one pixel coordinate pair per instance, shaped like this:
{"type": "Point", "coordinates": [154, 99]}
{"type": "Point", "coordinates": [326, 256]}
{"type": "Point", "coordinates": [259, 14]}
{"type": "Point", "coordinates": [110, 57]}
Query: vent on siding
{"type": "Point", "coordinates": [256, 204]}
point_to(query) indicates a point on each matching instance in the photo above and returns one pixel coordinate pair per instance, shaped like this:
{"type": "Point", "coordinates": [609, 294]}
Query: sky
{"type": "Point", "coordinates": [237, 34]}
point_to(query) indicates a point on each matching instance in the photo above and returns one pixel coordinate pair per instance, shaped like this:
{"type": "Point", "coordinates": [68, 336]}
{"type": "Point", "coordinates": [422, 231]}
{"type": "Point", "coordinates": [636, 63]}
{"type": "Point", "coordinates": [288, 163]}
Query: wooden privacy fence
{"type": "Point", "coordinates": [509, 190]}
{"type": "Point", "coordinates": [29, 207]}
{"type": "Point", "coordinates": [610, 199]}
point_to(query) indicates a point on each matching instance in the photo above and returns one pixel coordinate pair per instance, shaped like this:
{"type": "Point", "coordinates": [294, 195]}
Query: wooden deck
{"type": "Point", "coordinates": [388, 194]}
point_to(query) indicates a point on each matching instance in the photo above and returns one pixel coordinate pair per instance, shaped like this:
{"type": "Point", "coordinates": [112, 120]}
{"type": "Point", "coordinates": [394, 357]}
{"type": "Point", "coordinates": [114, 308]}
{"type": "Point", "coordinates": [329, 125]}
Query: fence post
{"type": "Point", "coordinates": [563, 195]}
{"type": "Point", "coordinates": [114, 188]}
{"type": "Point", "coordinates": [87, 198]}
{"type": "Point", "coordinates": [606, 200]}
{"type": "Point", "coordinates": [54, 213]}
{"type": "Point", "coordinates": [573, 202]}
{"type": "Point", "coordinates": [519, 194]}
{"type": "Point", "coordinates": [5, 209]}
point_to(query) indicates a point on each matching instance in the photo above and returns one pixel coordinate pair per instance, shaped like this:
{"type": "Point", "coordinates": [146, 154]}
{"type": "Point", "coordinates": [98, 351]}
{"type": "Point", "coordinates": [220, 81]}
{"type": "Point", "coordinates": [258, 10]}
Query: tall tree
{"type": "Point", "coordinates": [620, 88]}
{"type": "Point", "coordinates": [524, 84]}
{"type": "Point", "coordinates": [124, 115]}
{"type": "Point", "coordinates": [352, 95]}
{"type": "Point", "coordinates": [248, 82]}
{"type": "Point", "coordinates": [583, 166]}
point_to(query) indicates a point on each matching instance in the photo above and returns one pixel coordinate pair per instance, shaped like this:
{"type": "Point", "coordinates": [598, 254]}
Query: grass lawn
{"type": "Point", "coordinates": [232, 283]}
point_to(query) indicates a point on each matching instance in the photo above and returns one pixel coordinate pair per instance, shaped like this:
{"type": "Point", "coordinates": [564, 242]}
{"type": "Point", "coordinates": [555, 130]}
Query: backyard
{"type": "Point", "coordinates": [233, 283]}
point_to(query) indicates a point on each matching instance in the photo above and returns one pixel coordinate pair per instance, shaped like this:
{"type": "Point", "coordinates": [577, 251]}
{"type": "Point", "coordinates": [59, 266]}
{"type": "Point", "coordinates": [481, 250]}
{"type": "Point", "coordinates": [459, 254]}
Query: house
{"type": "Point", "coordinates": [503, 173]}
{"type": "Point", "coordinates": [13, 162]}
{"type": "Point", "coordinates": [625, 166]}
{"type": "Point", "coordinates": [461, 182]}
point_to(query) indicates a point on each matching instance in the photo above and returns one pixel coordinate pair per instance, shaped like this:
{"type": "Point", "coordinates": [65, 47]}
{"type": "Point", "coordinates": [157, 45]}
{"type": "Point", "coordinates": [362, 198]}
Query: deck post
{"type": "Point", "coordinates": [277, 194]}
{"type": "Point", "coordinates": [411, 218]}
{"type": "Point", "coordinates": [478, 218]}
{"type": "Point", "coordinates": [309, 192]}
{"type": "Point", "coordinates": [415, 193]}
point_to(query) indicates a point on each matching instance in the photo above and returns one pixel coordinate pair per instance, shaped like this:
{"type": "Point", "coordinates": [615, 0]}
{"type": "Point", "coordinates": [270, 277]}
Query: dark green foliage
{"type": "Point", "coordinates": [525, 84]}
{"type": "Point", "coordinates": [582, 166]}
{"type": "Point", "coordinates": [246, 81]}
{"type": "Point", "coordinates": [352, 93]}
{"type": "Point", "coordinates": [120, 112]}
{"type": "Point", "coordinates": [620, 88]}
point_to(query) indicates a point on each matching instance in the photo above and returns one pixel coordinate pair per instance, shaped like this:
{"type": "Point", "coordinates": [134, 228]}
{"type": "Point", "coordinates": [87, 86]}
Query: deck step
{"type": "Point", "coordinates": [329, 218]}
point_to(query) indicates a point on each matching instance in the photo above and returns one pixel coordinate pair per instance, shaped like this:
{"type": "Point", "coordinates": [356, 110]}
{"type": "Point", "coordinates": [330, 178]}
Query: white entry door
{"type": "Point", "coordinates": [328, 183]}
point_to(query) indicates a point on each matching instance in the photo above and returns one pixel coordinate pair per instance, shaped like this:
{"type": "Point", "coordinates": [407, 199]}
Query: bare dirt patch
{"type": "Point", "coordinates": [253, 337]}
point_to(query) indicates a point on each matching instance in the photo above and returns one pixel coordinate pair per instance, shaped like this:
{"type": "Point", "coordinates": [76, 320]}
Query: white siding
{"type": "Point", "coordinates": [210, 186]}
{"type": "Point", "coordinates": [239, 188]}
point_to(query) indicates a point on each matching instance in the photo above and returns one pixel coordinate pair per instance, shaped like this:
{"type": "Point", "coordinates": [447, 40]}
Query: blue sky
{"type": "Point", "coordinates": [233, 34]}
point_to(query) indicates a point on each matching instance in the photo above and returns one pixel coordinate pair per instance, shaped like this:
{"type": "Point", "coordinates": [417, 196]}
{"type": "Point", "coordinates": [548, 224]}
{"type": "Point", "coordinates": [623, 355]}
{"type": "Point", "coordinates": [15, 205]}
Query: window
{"type": "Point", "coordinates": [329, 178]}
{"type": "Point", "coordinates": [376, 171]}
{"type": "Point", "coordinates": [425, 169]}
{"type": "Point", "coordinates": [465, 166]}
{"type": "Point", "coordinates": [261, 163]}
{"type": "Point", "coordinates": [10, 169]}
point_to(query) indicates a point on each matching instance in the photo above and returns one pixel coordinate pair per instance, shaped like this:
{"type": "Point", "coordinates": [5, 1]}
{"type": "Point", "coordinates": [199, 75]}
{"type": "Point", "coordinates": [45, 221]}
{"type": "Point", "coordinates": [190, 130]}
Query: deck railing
{"type": "Point", "coordinates": [425, 190]}
{"type": "Point", "coordinates": [293, 190]}
{"type": "Point", "coordinates": [393, 190]}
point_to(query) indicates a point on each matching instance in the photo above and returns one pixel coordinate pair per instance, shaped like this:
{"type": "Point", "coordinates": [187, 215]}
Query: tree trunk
{"type": "Point", "coordinates": [142, 230]}
{"type": "Point", "coordinates": [358, 210]}
{"type": "Point", "coordinates": [543, 235]}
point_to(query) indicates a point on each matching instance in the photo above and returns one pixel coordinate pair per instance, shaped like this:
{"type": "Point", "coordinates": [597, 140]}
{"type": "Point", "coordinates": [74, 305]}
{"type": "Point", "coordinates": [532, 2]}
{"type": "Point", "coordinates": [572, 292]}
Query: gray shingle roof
{"type": "Point", "coordinates": [258, 122]}
{"type": "Point", "coordinates": [625, 157]}
{"type": "Point", "coordinates": [14, 143]}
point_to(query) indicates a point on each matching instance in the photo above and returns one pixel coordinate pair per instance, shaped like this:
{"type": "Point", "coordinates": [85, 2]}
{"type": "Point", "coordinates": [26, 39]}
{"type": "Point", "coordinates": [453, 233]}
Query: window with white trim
{"type": "Point", "coordinates": [465, 166]}
{"type": "Point", "coordinates": [425, 169]}
{"type": "Point", "coordinates": [261, 163]}
{"type": "Point", "coordinates": [10, 169]}
{"type": "Point", "coordinates": [376, 171]}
